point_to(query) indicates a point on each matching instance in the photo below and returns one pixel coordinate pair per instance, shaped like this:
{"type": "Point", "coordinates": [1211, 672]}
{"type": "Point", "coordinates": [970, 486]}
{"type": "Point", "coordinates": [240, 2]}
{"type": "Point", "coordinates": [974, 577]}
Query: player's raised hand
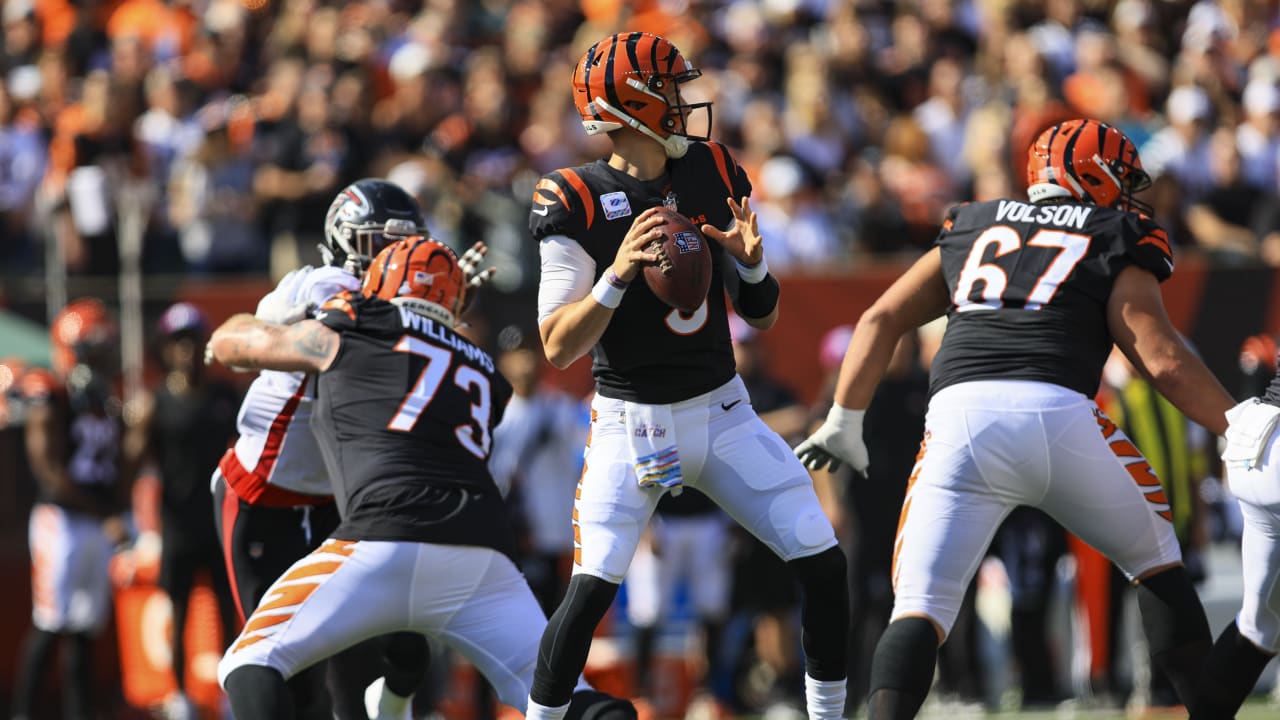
{"type": "Point", "coordinates": [838, 440]}
{"type": "Point", "coordinates": [632, 253]}
{"type": "Point", "coordinates": [470, 264]}
{"type": "Point", "coordinates": [742, 239]}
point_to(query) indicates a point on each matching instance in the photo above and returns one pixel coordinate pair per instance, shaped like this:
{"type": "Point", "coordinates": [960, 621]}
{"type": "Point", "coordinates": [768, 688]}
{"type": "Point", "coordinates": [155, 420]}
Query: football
{"type": "Point", "coordinates": [682, 276]}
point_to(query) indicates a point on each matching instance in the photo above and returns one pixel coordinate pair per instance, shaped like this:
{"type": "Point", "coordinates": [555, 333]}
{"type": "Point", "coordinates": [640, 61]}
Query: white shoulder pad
{"type": "Point", "coordinates": [324, 282]}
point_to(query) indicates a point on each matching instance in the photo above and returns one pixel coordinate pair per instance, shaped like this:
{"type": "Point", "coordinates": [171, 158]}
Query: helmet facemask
{"type": "Point", "coordinates": [365, 217]}
{"type": "Point", "coordinates": [1133, 180]}
{"type": "Point", "coordinates": [361, 243]}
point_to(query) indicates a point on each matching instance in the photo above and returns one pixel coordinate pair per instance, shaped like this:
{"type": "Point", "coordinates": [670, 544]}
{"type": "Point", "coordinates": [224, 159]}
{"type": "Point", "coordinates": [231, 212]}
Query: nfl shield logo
{"type": "Point", "coordinates": [687, 242]}
{"type": "Point", "coordinates": [615, 205]}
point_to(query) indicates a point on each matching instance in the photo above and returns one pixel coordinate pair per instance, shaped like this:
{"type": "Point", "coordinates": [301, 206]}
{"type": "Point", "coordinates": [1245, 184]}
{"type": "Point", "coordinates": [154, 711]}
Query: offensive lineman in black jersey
{"type": "Point", "coordinates": [405, 413]}
{"type": "Point", "coordinates": [1036, 293]}
{"type": "Point", "coordinates": [669, 409]}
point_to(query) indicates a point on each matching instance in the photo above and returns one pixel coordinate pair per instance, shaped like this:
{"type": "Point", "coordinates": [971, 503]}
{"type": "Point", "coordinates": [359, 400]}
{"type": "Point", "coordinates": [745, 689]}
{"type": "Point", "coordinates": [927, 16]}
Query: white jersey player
{"type": "Point", "coordinates": [1243, 649]}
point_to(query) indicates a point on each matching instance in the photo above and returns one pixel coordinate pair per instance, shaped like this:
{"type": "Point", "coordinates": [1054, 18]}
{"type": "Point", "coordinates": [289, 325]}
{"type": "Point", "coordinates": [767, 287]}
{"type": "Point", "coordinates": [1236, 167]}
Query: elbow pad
{"type": "Point", "coordinates": [757, 300]}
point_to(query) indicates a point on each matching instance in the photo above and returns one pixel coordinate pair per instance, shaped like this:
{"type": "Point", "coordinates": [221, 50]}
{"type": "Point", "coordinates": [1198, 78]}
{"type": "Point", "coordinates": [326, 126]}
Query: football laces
{"type": "Point", "coordinates": [664, 261]}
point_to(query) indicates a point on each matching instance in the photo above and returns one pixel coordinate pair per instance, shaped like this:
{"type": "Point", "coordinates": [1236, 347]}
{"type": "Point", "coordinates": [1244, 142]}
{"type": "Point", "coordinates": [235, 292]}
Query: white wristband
{"type": "Point", "coordinates": [752, 274]}
{"type": "Point", "coordinates": [607, 293]}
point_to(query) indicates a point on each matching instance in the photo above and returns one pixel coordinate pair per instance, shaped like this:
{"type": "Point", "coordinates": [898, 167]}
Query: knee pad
{"type": "Point", "coordinates": [799, 520]}
{"type": "Point", "coordinates": [592, 705]}
{"type": "Point", "coordinates": [1172, 615]}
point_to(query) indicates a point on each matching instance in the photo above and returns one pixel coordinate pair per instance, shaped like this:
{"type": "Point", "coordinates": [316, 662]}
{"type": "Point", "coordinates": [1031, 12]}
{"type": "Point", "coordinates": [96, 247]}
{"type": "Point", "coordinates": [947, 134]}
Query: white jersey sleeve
{"type": "Point", "coordinates": [324, 282]}
{"type": "Point", "coordinates": [275, 441]}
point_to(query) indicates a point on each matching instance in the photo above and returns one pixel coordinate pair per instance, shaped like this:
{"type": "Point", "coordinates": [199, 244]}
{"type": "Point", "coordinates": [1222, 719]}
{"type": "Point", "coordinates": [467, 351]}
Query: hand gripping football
{"type": "Point", "coordinates": [682, 276]}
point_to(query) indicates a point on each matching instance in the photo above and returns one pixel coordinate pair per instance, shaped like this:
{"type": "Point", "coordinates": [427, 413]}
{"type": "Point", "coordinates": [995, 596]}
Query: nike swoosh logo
{"type": "Point", "coordinates": [1169, 263]}
{"type": "Point", "coordinates": [729, 406]}
{"type": "Point", "coordinates": [541, 211]}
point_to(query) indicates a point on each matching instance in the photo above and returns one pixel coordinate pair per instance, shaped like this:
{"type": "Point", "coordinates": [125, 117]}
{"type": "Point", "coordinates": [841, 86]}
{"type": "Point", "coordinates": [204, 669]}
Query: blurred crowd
{"type": "Point", "coordinates": [231, 123]}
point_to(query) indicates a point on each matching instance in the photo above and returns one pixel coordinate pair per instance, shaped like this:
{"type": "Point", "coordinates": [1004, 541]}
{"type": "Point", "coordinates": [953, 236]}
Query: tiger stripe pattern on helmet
{"type": "Point", "coordinates": [1089, 161]}
{"type": "Point", "coordinates": [629, 80]}
{"type": "Point", "coordinates": [421, 274]}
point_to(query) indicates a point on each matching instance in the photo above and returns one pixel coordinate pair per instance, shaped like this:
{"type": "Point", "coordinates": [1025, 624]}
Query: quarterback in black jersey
{"type": "Point", "coordinates": [405, 414]}
{"type": "Point", "coordinates": [1036, 294]}
{"type": "Point", "coordinates": [669, 409]}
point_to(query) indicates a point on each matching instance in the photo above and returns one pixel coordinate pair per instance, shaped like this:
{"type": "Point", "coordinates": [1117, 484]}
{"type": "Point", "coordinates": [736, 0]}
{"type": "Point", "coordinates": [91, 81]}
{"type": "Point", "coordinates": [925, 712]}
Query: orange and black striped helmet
{"type": "Point", "coordinates": [421, 275]}
{"type": "Point", "coordinates": [633, 80]}
{"type": "Point", "coordinates": [83, 332]}
{"type": "Point", "coordinates": [1086, 160]}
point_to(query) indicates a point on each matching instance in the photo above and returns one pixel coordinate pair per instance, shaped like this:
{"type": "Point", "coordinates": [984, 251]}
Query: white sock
{"type": "Point", "coordinates": [394, 707]}
{"type": "Point", "coordinates": [542, 712]}
{"type": "Point", "coordinates": [824, 699]}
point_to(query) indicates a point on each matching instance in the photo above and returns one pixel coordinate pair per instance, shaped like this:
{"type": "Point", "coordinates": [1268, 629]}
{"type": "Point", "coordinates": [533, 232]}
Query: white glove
{"type": "Point", "coordinates": [301, 291]}
{"type": "Point", "coordinates": [838, 440]}
{"type": "Point", "coordinates": [469, 263]}
{"type": "Point", "coordinates": [281, 305]}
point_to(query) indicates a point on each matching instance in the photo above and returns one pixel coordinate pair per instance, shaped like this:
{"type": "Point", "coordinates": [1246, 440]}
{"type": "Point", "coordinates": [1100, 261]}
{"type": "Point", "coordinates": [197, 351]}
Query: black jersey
{"type": "Point", "coordinates": [1029, 288]}
{"type": "Point", "coordinates": [189, 432]}
{"type": "Point", "coordinates": [1272, 394]}
{"type": "Point", "coordinates": [405, 418]}
{"type": "Point", "coordinates": [88, 419]}
{"type": "Point", "coordinates": [650, 352]}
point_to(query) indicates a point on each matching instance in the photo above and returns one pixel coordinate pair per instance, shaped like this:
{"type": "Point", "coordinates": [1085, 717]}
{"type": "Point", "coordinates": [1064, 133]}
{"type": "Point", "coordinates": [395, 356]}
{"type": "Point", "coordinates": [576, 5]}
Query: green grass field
{"type": "Point", "coordinates": [1256, 709]}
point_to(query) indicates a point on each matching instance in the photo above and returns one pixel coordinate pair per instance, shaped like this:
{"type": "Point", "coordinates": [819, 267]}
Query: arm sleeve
{"type": "Point", "coordinates": [567, 274]}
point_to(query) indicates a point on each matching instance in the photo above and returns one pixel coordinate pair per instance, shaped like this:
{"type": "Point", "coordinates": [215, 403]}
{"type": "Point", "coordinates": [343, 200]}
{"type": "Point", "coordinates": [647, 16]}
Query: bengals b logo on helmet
{"type": "Point", "coordinates": [421, 275]}
{"type": "Point", "coordinates": [1089, 161]}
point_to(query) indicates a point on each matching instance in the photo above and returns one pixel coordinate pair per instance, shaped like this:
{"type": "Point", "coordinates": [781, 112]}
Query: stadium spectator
{"type": "Point", "coordinates": [1223, 220]}
{"type": "Point", "coordinates": [1258, 134]}
{"type": "Point", "coordinates": [22, 161]}
{"type": "Point", "coordinates": [183, 425]}
{"type": "Point", "coordinates": [211, 202]}
{"type": "Point", "coordinates": [1181, 149]}
{"type": "Point", "coordinates": [793, 216]}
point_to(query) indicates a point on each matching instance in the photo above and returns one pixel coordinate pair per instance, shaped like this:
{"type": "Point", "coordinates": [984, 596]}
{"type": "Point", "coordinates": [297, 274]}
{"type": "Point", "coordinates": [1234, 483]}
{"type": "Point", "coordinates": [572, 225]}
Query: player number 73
{"type": "Point", "coordinates": [474, 437]}
{"type": "Point", "coordinates": [1070, 247]}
